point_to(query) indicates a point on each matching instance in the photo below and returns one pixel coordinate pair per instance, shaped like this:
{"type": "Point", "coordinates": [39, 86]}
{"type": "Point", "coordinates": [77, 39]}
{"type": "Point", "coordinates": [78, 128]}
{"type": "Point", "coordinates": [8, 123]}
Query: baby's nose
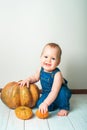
{"type": "Point", "coordinates": [49, 60]}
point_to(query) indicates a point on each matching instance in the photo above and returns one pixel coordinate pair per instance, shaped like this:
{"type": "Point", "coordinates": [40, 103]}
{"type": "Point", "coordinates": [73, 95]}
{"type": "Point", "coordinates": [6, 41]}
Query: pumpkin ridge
{"type": "Point", "coordinates": [25, 96]}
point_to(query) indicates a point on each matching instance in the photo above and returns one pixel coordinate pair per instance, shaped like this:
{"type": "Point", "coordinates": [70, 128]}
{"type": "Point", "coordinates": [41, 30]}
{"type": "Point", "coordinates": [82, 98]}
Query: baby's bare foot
{"type": "Point", "coordinates": [63, 113]}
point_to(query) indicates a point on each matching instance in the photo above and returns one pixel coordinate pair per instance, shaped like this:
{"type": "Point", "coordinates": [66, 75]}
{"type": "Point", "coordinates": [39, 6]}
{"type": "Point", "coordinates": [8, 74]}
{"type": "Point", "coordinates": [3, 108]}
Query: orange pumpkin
{"type": "Point", "coordinates": [42, 116]}
{"type": "Point", "coordinates": [23, 112]}
{"type": "Point", "coordinates": [13, 95]}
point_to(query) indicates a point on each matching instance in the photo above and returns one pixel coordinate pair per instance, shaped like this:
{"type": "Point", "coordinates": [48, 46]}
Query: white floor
{"type": "Point", "coordinates": [76, 120]}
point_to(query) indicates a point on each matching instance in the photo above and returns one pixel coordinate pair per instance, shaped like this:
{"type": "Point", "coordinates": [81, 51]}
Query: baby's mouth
{"type": "Point", "coordinates": [47, 64]}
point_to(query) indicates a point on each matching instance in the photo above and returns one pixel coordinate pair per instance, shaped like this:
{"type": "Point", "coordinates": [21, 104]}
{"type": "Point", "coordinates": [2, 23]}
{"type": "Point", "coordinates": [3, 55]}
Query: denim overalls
{"type": "Point", "coordinates": [62, 100]}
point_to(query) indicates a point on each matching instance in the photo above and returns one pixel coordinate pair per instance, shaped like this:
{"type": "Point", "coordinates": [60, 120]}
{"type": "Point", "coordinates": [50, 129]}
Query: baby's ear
{"type": "Point", "coordinates": [58, 62]}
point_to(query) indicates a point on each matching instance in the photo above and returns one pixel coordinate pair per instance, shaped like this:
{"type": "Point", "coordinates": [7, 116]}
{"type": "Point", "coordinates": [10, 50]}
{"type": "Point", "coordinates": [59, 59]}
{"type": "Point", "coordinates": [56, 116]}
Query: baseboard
{"type": "Point", "coordinates": [79, 91]}
{"type": "Point", "coordinates": [74, 91]}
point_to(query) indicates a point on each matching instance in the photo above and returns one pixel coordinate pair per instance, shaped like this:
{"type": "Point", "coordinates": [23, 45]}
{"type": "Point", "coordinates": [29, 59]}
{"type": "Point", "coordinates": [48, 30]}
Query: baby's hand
{"type": "Point", "coordinates": [43, 108]}
{"type": "Point", "coordinates": [24, 82]}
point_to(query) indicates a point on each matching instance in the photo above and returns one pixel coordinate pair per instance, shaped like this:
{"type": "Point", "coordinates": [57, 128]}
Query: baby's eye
{"type": "Point", "coordinates": [53, 58]}
{"type": "Point", "coordinates": [46, 56]}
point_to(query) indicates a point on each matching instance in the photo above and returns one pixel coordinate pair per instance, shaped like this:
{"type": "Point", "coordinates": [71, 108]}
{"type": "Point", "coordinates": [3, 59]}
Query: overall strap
{"type": "Point", "coordinates": [55, 71]}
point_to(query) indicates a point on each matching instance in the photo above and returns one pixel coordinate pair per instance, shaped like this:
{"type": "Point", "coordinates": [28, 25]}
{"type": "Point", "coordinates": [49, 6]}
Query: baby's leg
{"type": "Point", "coordinates": [63, 101]}
{"type": "Point", "coordinates": [52, 107]}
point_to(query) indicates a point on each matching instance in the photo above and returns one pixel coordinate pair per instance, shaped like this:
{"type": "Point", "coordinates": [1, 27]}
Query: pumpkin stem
{"type": "Point", "coordinates": [40, 91]}
{"type": "Point", "coordinates": [0, 90]}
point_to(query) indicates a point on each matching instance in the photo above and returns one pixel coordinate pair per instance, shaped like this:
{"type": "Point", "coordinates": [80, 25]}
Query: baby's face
{"type": "Point", "coordinates": [50, 59]}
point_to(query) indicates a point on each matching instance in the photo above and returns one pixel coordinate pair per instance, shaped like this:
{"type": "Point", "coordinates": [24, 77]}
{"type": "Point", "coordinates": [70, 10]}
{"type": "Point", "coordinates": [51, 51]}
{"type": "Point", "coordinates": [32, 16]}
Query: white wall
{"type": "Point", "coordinates": [27, 25]}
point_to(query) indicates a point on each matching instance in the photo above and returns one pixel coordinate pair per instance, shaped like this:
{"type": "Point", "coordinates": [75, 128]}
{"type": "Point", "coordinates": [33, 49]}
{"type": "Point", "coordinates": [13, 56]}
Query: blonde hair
{"type": "Point", "coordinates": [53, 45]}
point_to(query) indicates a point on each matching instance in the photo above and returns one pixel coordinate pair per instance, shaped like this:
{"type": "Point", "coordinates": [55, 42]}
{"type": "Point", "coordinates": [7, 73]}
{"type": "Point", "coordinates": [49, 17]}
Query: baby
{"type": "Point", "coordinates": [55, 92]}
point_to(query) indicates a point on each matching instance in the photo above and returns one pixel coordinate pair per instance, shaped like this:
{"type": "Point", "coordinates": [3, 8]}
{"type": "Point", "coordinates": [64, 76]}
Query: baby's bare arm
{"type": "Point", "coordinates": [32, 79]}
